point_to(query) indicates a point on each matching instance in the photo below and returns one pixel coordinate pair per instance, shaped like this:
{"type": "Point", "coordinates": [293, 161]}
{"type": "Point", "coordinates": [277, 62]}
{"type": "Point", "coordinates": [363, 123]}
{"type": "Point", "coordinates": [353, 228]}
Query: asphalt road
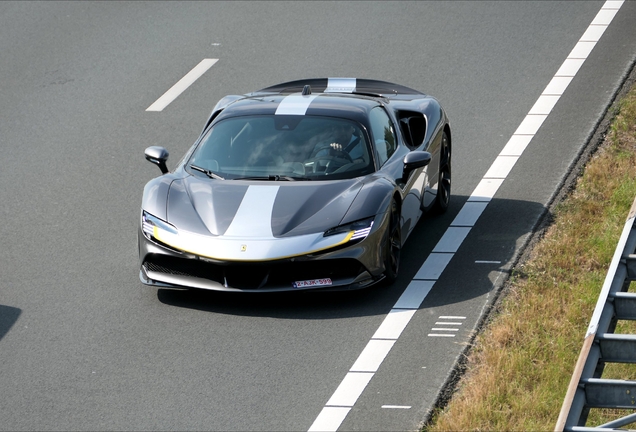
{"type": "Point", "coordinates": [85, 346]}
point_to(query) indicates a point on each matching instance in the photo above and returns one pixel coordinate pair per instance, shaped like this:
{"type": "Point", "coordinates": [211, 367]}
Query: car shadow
{"type": "Point", "coordinates": [8, 317]}
{"type": "Point", "coordinates": [501, 229]}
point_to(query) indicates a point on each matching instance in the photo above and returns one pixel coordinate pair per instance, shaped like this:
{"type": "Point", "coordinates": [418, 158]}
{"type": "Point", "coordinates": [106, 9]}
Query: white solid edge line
{"type": "Point", "coordinates": [394, 323]}
{"type": "Point", "coordinates": [330, 418]}
{"type": "Point", "coordinates": [604, 17]}
{"type": "Point", "coordinates": [613, 4]}
{"type": "Point", "coordinates": [593, 33]}
{"type": "Point", "coordinates": [484, 192]}
{"type": "Point", "coordinates": [501, 167]}
{"type": "Point", "coordinates": [372, 356]}
{"type": "Point", "coordinates": [182, 85]}
{"type": "Point", "coordinates": [557, 85]}
{"type": "Point", "coordinates": [452, 239]}
{"type": "Point", "coordinates": [516, 145]}
{"type": "Point", "coordinates": [582, 50]}
{"type": "Point", "coordinates": [530, 124]}
{"type": "Point", "coordinates": [433, 266]}
{"type": "Point", "coordinates": [569, 68]}
{"type": "Point", "coordinates": [544, 104]}
{"type": "Point", "coordinates": [350, 389]}
{"type": "Point", "coordinates": [414, 294]}
{"type": "Point", "coordinates": [469, 213]}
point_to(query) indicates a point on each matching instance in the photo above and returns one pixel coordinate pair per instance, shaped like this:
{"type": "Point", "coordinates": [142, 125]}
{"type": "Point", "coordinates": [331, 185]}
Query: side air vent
{"type": "Point", "coordinates": [413, 127]}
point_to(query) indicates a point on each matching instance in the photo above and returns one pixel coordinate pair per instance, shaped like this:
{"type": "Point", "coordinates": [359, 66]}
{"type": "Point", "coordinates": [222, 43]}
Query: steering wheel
{"type": "Point", "coordinates": [340, 154]}
{"type": "Point", "coordinates": [332, 150]}
{"type": "Point", "coordinates": [327, 164]}
{"type": "Point", "coordinates": [329, 159]}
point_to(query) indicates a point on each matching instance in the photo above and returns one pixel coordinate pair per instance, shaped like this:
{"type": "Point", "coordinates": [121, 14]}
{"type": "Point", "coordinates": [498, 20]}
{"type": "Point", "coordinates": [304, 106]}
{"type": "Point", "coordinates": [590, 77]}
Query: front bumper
{"type": "Point", "coordinates": [346, 267]}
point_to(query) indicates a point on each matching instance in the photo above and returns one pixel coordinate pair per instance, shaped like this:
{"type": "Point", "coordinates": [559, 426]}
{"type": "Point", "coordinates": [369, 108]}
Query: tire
{"type": "Point", "coordinates": [442, 199]}
{"type": "Point", "coordinates": [393, 245]}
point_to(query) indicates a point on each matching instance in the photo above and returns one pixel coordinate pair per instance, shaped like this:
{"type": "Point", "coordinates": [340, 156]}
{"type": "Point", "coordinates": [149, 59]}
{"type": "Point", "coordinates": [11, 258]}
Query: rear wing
{"type": "Point", "coordinates": [341, 85]}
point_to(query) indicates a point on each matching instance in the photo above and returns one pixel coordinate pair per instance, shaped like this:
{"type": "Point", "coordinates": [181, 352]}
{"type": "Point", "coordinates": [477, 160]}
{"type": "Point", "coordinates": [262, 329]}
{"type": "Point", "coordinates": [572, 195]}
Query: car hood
{"type": "Point", "coordinates": [259, 209]}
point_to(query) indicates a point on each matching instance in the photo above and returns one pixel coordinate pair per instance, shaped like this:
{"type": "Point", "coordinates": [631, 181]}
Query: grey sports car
{"type": "Point", "coordinates": [309, 184]}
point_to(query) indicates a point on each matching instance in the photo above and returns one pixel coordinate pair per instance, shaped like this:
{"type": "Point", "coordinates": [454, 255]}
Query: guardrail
{"type": "Point", "coordinates": [601, 345]}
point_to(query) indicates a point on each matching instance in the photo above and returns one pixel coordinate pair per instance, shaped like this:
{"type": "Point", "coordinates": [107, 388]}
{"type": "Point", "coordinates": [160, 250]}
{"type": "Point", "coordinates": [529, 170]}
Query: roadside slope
{"type": "Point", "coordinates": [518, 370]}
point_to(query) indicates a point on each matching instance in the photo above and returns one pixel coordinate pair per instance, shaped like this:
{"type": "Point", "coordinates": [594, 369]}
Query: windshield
{"type": "Point", "coordinates": [281, 147]}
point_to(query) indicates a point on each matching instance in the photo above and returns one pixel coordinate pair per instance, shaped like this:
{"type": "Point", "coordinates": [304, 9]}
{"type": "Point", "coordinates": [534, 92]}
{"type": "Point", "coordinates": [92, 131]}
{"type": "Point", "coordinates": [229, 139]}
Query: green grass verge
{"type": "Point", "coordinates": [519, 368]}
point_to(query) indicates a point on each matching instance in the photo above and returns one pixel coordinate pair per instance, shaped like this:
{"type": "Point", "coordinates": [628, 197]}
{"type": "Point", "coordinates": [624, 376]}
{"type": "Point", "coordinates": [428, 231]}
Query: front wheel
{"type": "Point", "coordinates": [444, 183]}
{"type": "Point", "coordinates": [393, 245]}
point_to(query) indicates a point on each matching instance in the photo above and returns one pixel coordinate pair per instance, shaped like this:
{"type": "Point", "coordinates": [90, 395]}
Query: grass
{"type": "Point", "coordinates": [519, 368]}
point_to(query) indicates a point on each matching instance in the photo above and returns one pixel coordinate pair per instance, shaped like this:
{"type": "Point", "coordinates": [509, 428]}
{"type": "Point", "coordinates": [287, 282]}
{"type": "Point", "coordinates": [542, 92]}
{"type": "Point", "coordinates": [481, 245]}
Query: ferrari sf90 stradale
{"type": "Point", "coordinates": [310, 184]}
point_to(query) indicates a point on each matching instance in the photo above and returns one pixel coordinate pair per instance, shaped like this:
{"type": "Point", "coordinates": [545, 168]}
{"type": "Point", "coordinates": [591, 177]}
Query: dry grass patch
{"type": "Point", "coordinates": [521, 364]}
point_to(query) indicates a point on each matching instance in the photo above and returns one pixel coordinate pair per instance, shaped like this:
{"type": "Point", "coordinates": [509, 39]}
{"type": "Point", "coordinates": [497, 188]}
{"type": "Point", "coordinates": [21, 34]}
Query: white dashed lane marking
{"type": "Point", "coordinates": [182, 85]}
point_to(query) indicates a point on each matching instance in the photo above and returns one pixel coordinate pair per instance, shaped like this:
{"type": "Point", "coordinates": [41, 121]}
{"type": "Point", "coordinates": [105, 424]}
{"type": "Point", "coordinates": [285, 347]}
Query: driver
{"type": "Point", "coordinates": [338, 140]}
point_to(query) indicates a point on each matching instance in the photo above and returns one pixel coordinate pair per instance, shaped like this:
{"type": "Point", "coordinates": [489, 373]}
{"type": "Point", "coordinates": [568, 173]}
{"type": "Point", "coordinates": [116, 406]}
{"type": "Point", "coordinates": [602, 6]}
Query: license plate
{"type": "Point", "coordinates": [312, 283]}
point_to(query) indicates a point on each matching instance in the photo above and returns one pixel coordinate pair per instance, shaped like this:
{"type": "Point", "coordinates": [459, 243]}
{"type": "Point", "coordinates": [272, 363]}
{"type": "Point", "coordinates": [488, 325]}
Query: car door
{"type": "Point", "coordinates": [389, 155]}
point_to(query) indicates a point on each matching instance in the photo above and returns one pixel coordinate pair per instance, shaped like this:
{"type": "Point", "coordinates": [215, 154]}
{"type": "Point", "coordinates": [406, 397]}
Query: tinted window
{"type": "Point", "coordinates": [383, 134]}
{"type": "Point", "coordinates": [318, 148]}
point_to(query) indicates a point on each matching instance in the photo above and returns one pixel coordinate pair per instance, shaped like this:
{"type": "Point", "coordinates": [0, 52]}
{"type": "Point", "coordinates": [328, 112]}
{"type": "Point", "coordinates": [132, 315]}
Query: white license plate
{"type": "Point", "coordinates": [312, 283]}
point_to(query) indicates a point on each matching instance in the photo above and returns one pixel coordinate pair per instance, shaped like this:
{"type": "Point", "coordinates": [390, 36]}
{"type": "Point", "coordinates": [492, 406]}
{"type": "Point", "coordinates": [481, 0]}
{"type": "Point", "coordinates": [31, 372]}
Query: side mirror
{"type": "Point", "coordinates": [414, 160]}
{"type": "Point", "coordinates": [158, 156]}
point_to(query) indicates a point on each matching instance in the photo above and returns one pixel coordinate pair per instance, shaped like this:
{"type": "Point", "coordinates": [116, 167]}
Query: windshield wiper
{"type": "Point", "coordinates": [272, 178]}
{"type": "Point", "coordinates": [207, 172]}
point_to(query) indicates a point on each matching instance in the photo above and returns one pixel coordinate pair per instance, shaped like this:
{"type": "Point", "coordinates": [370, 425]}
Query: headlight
{"type": "Point", "coordinates": [150, 223]}
{"type": "Point", "coordinates": [360, 229]}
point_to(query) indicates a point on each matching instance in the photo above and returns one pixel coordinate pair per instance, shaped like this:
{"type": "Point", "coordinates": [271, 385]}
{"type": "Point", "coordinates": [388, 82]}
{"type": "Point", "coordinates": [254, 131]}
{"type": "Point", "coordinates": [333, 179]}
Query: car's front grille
{"type": "Point", "coordinates": [256, 275]}
{"type": "Point", "coordinates": [180, 267]}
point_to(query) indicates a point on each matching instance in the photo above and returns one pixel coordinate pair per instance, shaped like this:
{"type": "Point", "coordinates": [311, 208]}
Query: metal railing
{"type": "Point", "coordinates": [601, 345]}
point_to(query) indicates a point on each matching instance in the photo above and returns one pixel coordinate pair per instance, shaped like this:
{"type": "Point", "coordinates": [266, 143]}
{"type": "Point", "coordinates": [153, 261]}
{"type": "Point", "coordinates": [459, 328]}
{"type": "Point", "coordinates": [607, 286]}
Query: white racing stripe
{"type": "Point", "coordinates": [253, 219]}
{"type": "Point", "coordinates": [295, 104]}
{"type": "Point", "coordinates": [331, 417]}
{"type": "Point", "coordinates": [340, 85]}
{"type": "Point", "coordinates": [182, 85]}
{"type": "Point", "coordinates": [249, 236]}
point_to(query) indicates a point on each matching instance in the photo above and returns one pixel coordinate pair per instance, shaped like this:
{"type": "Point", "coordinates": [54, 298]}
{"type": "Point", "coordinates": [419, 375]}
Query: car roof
{"type": "Point", "coordinates": [349, 98]}
{"type": "Point", "coordinates": [331, 105]}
